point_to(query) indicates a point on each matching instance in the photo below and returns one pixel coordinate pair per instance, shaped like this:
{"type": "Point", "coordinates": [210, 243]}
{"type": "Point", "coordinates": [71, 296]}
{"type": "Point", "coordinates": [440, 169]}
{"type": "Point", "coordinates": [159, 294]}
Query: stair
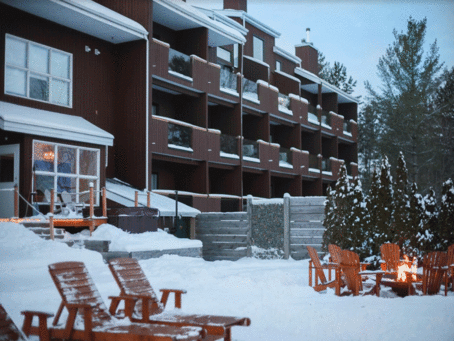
{"type": "Point", "coordinates": [42, 229]}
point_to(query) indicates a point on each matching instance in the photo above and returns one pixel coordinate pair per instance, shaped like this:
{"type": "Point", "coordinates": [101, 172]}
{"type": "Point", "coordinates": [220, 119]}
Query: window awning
{"type": "Point", "coordinates": [33, 121]}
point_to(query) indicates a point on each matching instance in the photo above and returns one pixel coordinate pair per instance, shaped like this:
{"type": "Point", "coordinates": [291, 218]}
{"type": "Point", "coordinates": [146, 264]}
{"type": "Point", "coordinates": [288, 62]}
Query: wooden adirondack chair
{"type": "Point", "coordinates": [434, 270]}
{"type": "Point", "coordinates": [390, 254]}
{"type": "Point", "coordinates": [10, 332]}
{"type": "Point", "coordinates": [321, 283]}
{"type": "Point", "coordinates": [88, 318]}
{"type": "Point", "coordinates": [351, 268]}
{"type": "Point", "coordinates": [148, 309]}
{"type": "Point", "coordinates": [450, 264]}
{"type": "Point", "coordinates": [336, 254]}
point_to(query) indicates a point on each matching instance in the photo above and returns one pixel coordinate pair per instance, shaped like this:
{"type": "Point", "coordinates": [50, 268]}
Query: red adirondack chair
{"type": "Point", "coordinates": [148, 309]}
{"type": "Point", "coordinates": [321, 283]}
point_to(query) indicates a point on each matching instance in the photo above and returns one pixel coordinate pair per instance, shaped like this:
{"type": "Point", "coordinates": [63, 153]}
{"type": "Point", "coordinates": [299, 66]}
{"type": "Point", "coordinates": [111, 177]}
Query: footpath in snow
{"type": "Point", "coordinates": [273, 293]}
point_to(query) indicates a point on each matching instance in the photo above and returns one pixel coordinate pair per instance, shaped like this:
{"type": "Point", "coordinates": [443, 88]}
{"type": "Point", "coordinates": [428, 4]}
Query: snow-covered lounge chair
{"type": "Point", "coordinates": [320, 282]}
{"type": "Point", "coordinates": [434, 271]}
{"type": "Point", "coordinates": [134, 284]}
{"type": "Point", "coordinates": [88, 318]}
{"type": "Point", "coordinates": [9, 331]}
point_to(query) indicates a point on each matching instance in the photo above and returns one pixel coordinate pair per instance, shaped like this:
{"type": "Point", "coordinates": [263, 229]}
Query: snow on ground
{"type": "Point", "coordinates": [273, 293]}
{"type": "Point", "coordinates": [124, 241]}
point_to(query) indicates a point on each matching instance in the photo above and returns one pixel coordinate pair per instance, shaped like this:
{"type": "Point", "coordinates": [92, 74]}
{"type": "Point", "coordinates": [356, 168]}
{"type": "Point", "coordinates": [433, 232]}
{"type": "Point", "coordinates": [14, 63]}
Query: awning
{"type": "Point", "coordinates": [85, 16]}
{"type": "Point", "coordinates": [33, 121]}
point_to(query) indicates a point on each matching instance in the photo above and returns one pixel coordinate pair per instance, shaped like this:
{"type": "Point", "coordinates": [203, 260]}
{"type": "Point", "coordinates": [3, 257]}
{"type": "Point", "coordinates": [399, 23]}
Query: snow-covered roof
{"type": "Point", "coordinates": [33, 121]}
{"type": "Point", "coordinates": [85, 16]}
{"type": "Point", "coordinates": [178, 15]}
{"type": "Point", "coordinates": [287, 55]}
{"type": "Point", "coordinates": [124, 194]}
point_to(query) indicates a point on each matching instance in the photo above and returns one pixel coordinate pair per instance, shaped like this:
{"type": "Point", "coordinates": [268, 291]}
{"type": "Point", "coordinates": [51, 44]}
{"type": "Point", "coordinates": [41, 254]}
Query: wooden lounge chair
{"type": "Point", "coordinates": [88, 318]}
{"type": "Point", "coordinates": [434, 270]}
{"type": "Point", "coordinates": [321, 283]}
{"type": "Point", "coordinates": [351, 268]}
{"type": "Point", "coordinates": [10, 332]}
{"type": "Point", "coordinates": [336, 254]}
{"type": "Point", "coordinates": [450, 264]}
{"type": "Point", "coordinates": [148, 309]}
{"type": "Point", "coordinates": [390, 254]}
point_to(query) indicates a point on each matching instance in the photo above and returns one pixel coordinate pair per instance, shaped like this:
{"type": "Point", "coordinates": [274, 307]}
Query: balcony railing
{"type": "Point", "coordinates": [250, 149]}
{"type": "Point", "coordinates": [285, 156]}
{"type": "Point", "coordinates": [347, 127]}
{"type": "Point", "coordinates": [326, 118]}
{"type": "Point", "coordinates": [326, 165]}
{"type": "Point", "coordinates": [284, 101]}
{"type": "Point", "coordinates": [250, 90]}
{"type": "Point", "coordinates": [228, 79]}
{"type": "Point", "coordinates": [312, 113]}
{"type": "Point", "coordinates": [178, 135]}
{"type": "Point", "coordinates": [229, 144]}
{"type": "Point", "coordinates": [180, 63]}
{"type": "Point", "coordinates": [313, 161]}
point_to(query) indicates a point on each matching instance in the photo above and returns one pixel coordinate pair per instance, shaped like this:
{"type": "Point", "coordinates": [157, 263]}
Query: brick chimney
{"type": "Point", "coordinates": [236, 4]}
{"type": "Point", "coordinates": [308, 54]}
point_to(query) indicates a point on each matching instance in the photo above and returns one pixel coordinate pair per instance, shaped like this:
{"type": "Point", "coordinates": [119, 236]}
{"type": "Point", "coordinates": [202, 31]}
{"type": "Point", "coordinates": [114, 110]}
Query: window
{"type": "Point", "coordinates": [65, 168]}
{"type": "Point", "coordinates": [278, 65]}
{"type": "Point", "coordinates": [224, 54]}
{"type": "Point", "coordinates": [37, 72]}
{"type": "Point", "coordinates": [257, 45]}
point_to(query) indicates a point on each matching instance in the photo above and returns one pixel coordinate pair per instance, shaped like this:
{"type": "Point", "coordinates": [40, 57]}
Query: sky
{"type": "Point", "coordinates": [355, 33]}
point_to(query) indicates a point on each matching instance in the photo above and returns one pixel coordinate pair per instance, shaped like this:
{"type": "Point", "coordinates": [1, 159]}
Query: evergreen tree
{"type": "Point", "coordinates": [429, 227]}
{"type": "Point", "coordinates": [356, 219]}
{"type": "Point", "coordinates": [331, 234]}
{"type": "Point", "coordinates": [409, 80]}
{"type": "Point", "coordinates": [415, 221]}
{"type": "Point", "coordinates": [445, 236]}
{"type": "Point", "coordinates": [384, 226]}
{"type": "Point", "coordinates": [401, 204]}
{"type": "Point", "coordinates": [371, 246]}
{"type": "Point", "coordinates": [336, 75]}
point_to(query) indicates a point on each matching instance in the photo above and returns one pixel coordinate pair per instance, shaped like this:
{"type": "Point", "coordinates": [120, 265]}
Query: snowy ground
{"type": "Point", "coordinates": [273, 293]}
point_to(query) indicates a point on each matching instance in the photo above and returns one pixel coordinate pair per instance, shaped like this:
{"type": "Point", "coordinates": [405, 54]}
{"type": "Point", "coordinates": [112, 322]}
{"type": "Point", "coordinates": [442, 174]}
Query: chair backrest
{"type": "Point", "coordinates": [450, 260]}
{"type": "Point", "coordinates": [132, 281]}
{"type": "Point", "coordinates": [335, 252]}
{"type": "Point", "coordinates": [318, 266]}
{"type": "Point", "coordinates": [390, 253]}
{"type": "Point", "coordinates": [66, 197]}
{"type": "Point", "coordinates": [432, 272]}
{"type": "Point", "coordinates": [8, 330]}
{"type": "Point", "coordinates": [351, 266]}
{"type": "Point", "coordinates": [77, 287]}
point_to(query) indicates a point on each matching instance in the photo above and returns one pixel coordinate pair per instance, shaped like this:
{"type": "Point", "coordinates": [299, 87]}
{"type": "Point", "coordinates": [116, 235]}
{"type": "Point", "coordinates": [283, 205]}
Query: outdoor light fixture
{"type": "Point", "coordinates": [97, 52]}
{"type": "Point", "coordinates": [87, 48]}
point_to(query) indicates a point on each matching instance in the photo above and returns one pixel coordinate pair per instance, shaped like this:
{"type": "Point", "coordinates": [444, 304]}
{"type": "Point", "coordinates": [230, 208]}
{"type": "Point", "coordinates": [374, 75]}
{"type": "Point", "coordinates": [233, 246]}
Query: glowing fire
{"type": "Point", "coordinates": [401, 269]}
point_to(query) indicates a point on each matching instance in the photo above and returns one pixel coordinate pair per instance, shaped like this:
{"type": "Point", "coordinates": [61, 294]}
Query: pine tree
{"type": "Point", "coordinates": [383, 224]}
{"type": "Point", "coordinates": [415, 221]}
{"type": "Point", "coordinates": [446, 217]}
{"type": "Point", "coordinates": [409, 80]}
{"type": "Point", "coordinates": [336, 75]}
{"type": "Point", "coordinates": [401, 204]}
{"type": "Point", "coordinates": [371, 246]}
{"type": "Point", "coordinates": [424, 238]}
{"type": "Point", "coordinates": [356, 219]}
{"type": "Point", "coordinates": [331, 234]}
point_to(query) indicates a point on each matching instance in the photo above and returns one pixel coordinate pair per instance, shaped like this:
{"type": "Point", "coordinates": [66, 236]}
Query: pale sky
{"type": "Point", "coordinates": [355, 33]}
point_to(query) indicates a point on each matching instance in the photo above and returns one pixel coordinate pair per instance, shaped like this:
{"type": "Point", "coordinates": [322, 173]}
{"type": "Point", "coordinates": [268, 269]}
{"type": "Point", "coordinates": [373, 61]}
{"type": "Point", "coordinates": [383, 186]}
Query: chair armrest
{"type": "Point", "coordinates": [28, 319]}
{"type": "Point", "coordinates": [130, 302]}
{"type": "Point", "coordinates": [165, 296]}
{"type": "Point", "coordinates": [88, 321]}
{"type": "Point", "coordinates": [364, 266]}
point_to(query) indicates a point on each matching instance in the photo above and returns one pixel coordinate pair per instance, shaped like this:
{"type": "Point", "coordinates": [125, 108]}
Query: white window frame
{"type": "Point", "coordinates": [76, 175]}
{"type": "Point", "coordinates": [278, 65]}
{"type": "Point", "coordinates": [222, 54]}
{"type": "Point", "coordinates": [255, 47]}
{"type": "Point", "coordinates": [47, 75]}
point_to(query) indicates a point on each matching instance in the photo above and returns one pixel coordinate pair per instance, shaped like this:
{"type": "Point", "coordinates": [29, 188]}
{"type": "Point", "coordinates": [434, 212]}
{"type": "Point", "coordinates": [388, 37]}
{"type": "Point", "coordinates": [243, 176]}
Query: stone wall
{"type": "Point", "coordinates": [268, 224]}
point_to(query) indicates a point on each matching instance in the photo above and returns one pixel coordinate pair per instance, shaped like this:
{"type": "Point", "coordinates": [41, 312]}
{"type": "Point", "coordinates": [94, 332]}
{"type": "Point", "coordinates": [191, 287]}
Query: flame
{"type": "Point", "coordinates": [401, 269]}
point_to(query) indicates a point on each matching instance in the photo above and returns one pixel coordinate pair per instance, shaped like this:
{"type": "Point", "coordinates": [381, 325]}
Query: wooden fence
{"type": "Point", "coordinates": [303, 225]}
{"type": "Point", "coordinates": [225, 236]}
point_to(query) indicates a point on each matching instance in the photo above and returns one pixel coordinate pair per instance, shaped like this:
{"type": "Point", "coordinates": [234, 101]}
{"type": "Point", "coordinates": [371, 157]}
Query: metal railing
{"type": "Point", "coordinates": [251, 148]}
{"type": "Point", "coordinates": [229, 144]}
{"type": "Point", "coordinates": [228, 79]}
{"type": "Point", "coordinates": [250, 89]}
{"type": "Point", "coordinates": [180, 63]}
{"type": "Point", "coordinates": [284, 101]}
{"type": "Point", "coordinates": [179, 135]}
{"type": "Point", "coordinates": [313, 161]}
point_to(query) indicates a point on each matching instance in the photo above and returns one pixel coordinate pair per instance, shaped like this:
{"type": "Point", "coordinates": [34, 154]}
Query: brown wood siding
{"type": "Point", "coordinates": [268, 43]}
{"type": "Point", "coordinates": [309, 58]}
{"type": "Point", "coordinates": [286, 85]}
{"type": "Point", "coordinates": [329, 102]}
{"type": "Point", "coordinates": [137, 10]}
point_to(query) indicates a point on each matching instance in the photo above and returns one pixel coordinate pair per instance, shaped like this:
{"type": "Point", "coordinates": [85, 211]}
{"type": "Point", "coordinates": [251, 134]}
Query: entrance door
{"type": "Point", "coordinates": [9, 176]}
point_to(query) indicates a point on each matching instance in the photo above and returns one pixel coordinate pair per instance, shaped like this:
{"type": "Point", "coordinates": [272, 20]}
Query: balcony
{"type": "Point", "coordinates": [347, 128]}
{"type": "Point", "coordinates": [312, 116]}
{"type": "Point", "coordinates": [313, 164]}
{"type": "Point", "coordinates": [326, 166]}
{"type": "Point", "coordinates": [229, 146]}
{"type": "Point", "coordinates": [179, 137]}
{"type": "Point", "coordinates": [180, 63]}
{"type": "Point", "coordinates": [251, 150]}
{"type": "Point", "coordinates": [285, 158]}
{"type": "Point", "coordinates": [228, 80]}
{"type": "Point", "coordinates": [250, 91]}
{"type": "Point", "coordinates": [326, 119]}
{"type": "Point", "coordinates": [284, 104]}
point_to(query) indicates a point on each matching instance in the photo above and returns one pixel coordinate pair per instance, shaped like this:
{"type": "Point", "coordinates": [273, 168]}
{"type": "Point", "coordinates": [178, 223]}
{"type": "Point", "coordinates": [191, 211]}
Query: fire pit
{"type": "Point", "coordinates": [401, 281]}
